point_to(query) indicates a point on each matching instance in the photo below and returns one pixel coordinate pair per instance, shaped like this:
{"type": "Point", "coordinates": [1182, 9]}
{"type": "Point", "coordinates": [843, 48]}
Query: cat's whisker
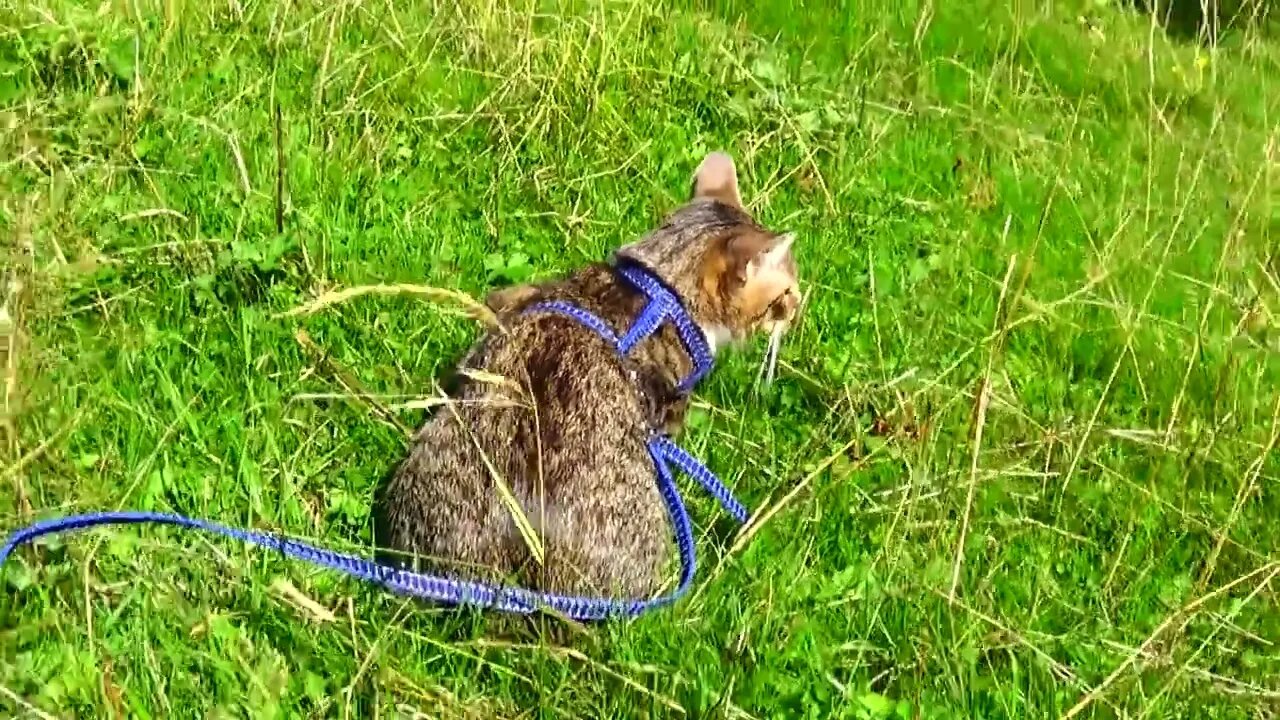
{"type": "Point", "coordinates": [769, 364]}
{"type": "Point", "coordinates": [775, 347]}
{"type": "Point", "coordinates": [764, 363]}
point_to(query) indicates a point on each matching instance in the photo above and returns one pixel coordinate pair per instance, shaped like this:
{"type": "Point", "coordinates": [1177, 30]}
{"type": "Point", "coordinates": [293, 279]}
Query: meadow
{"type": "Point", "coordinates": [1020, 460]}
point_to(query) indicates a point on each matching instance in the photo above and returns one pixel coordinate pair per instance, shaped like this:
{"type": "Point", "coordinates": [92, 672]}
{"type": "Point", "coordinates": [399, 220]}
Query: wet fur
{"type": "Point", "coordinates": [566, 430]}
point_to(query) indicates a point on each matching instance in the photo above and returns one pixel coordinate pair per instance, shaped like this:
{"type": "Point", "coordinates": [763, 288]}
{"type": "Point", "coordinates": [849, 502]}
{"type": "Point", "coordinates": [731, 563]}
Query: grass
{"type": "Point", "coordinates": [1020, 460]}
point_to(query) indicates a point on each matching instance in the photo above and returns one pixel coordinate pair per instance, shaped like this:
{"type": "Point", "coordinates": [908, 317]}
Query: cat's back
{"type": "Point", "coordinates": [554, 358]}
{"type": "Point", "coordinates": [548, 407]}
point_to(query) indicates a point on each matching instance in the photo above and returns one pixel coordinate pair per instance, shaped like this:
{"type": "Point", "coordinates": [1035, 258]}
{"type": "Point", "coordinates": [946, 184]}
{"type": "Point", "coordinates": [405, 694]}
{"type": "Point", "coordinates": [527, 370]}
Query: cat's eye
{"type": "Point", "coordinates": [782, 307]}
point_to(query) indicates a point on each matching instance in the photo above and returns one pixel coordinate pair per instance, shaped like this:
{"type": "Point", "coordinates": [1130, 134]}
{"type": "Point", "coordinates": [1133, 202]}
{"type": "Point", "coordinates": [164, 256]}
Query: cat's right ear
{"type": "Point", "coordinates": [507, 299]}
{"type": "Point", "coordinates": [717, 179]}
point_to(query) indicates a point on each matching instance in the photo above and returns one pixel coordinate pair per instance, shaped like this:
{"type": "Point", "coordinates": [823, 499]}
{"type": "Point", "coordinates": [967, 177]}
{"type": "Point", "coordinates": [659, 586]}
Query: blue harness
{"type": "Point", "coordinates": [662, 307]}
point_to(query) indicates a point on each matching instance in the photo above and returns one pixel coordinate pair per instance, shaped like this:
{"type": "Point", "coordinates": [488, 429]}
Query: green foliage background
{"type": "Point", "coordinates": [1021, 457]}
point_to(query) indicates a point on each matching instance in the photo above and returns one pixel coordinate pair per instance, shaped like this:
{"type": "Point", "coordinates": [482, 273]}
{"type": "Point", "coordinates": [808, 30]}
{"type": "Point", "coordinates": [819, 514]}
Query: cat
{"type": "Point", "coordinates": [561, 419]}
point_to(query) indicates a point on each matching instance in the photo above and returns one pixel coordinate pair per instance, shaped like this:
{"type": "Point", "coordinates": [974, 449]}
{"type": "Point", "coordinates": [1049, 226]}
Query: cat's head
{"type": "Point", "coordinates": [735, 277]}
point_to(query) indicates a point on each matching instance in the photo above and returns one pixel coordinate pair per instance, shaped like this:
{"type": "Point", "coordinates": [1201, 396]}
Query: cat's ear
{"type": "Point", "coordinates": [504, 300]}
{"type": "Point", "coordinates": [717, 179]}
{"type": "Point", "coordinates": [775, 255]}
{"type": "Point", "coordinates": [753, 254]}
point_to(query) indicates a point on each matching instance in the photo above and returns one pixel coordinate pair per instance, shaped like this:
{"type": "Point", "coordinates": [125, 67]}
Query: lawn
{"type": "Point", "coordinates": [1020, 460]}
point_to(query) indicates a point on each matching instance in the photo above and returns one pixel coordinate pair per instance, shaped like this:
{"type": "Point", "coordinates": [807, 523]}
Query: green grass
{"type": "Point", "coordinates": [1022, 452]}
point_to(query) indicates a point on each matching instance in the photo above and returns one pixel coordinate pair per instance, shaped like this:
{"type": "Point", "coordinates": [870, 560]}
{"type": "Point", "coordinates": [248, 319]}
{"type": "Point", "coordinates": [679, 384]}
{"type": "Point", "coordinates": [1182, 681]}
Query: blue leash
{"type": "Point", "coordinates": [663, 306]}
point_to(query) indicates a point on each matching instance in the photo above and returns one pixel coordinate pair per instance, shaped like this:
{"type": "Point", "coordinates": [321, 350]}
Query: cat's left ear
{"type": "Point", "coordinates": [717, 179]}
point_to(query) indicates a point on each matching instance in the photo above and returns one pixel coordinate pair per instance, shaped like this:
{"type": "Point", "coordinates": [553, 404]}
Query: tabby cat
{"type": "Point", "coordinates": [547, 410]}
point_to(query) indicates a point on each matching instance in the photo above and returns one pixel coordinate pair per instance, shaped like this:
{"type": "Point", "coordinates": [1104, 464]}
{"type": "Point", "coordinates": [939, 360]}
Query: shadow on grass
{"type": "Point", "coordinates": [1207, 20]}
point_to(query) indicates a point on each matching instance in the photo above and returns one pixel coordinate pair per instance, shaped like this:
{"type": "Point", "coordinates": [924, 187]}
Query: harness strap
{"type": "Point", "coordinates": [665, 306]}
